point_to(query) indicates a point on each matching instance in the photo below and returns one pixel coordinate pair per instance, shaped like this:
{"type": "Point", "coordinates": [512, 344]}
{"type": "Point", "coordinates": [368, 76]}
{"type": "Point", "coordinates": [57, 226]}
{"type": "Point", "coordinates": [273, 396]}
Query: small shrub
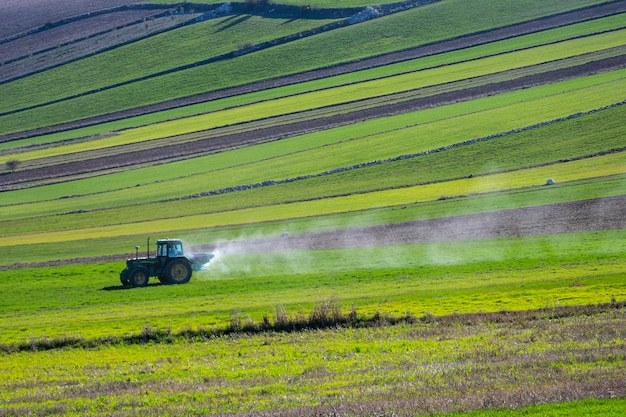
{"type": "Point", "coordinates": [326, 314]}
{"type": "Point", "coordinates": [12, 164]}
{"type": "Point", "coordinates": [282, 320]}
{"type": "Point", "coordinates": [409, 318]}
{"type": "Point", "coordinates": [353, 317]}
{"type": "Point", "coordinates": [429, 318]}
{"type": "Point", "coordinates": [245, 46]}
{"type": "Point", "coordinates": [235, 321]}
{"type": "Point", "coordinates": [382, 319]}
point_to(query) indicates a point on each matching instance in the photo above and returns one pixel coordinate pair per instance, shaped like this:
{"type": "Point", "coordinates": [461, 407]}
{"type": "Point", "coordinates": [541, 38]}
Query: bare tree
{"type": "Point", "coordinates": [12, 164]}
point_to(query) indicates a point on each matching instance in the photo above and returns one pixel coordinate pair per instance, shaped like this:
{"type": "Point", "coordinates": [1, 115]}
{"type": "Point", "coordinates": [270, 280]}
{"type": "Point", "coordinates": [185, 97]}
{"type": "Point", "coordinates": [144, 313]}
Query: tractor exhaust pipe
{"type": "Point", "coordinates": [136, 252]}
{"type": "Point", "coordinates": [148, 251]}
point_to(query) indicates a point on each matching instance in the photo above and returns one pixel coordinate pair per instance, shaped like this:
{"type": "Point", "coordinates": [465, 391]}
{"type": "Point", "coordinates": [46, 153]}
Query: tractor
{"type": "Point", "coordinates": [170, 265]}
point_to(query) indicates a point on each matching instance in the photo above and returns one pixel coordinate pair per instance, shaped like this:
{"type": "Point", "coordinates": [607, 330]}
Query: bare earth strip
{"type": "Point", "coordinates": [577, 216]}
{"type": "Point", "coordinates": [70, 32]}
{"type": "Point", "coordinates": [17, 16]}
{"type": "Point", "coordinates": [586, 215]}
{"type": "Point", "coordinates": [82, 38]}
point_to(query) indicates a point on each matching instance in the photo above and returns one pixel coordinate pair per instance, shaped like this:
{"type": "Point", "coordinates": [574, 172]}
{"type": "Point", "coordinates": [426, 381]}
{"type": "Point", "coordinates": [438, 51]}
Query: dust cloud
{"type": "Point", "coordinates": [389, 245]}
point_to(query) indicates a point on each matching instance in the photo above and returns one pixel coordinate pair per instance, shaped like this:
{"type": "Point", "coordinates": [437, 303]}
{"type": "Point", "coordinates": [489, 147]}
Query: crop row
{"type": "Point", "coordinates": [86, 300]}
{"type": "Point", "coordinates": [532, 105]}
{"type": "Point", "coordinates": [286, 167]}
{"type": "Point", "coordinates": [547, 36]}
{"type": "Point", "coordinates": [575, 138]}
{"type": "Point", "coordinates": [84, 246]}
{"type": "Point", "coordinates": [181, 46]}
{"type": "Point", "coordinates": [419, 76]}
{"type": "Point", "coordinates": [410, 28]}
{"type": "Point", "coordinates": [601, 166]}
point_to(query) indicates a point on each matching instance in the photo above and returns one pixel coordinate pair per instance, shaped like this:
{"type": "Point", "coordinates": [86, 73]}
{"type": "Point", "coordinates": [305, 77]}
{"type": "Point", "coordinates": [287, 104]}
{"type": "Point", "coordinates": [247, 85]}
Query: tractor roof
{"type": "Point", "coordinates": [168, 240]}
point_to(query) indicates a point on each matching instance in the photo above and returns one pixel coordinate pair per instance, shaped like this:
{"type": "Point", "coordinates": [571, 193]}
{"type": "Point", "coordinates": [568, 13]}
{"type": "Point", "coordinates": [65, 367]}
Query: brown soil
{"type": "Point", "coordinates": [586, 215]}
{"type": "Point", "coordinates": [80, 39]}
{"type": "Point", "coordinates": [19, 16]}
{"type": "Point", "coordinates": [577, 216]}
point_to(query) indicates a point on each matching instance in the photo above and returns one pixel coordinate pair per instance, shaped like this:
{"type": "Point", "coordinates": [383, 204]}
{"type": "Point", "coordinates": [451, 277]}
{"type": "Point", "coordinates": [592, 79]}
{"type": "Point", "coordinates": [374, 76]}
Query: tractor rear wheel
{"type": "Point", "coordinates": [139, 277]}
{"type": "Point", "coordinates": [178, 271]}
{"type": "Point", "coordinates": [124, 278]}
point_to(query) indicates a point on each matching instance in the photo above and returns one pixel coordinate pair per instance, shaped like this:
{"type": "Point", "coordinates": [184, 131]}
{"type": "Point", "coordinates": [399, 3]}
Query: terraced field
{"type": "Point", "coordinates": [415, 208]}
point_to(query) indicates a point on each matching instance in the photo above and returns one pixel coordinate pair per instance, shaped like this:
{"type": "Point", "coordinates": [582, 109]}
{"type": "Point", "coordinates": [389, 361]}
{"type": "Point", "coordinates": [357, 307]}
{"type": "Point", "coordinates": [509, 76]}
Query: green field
{"type": "Point", "coordinates": [494, 48]}
{"type": "Point", "coordinates": [353, 92]}
{"type": "Point", "coordinates": [440, 278]}
{"type": "Point", "coordinates": [489, 276]}
{"type": "Point", "coordinates": [439, 21]}
{"type": "Point", "coordinates": [537, 105]}
{"type": "Point", "coordinates": [500, 315]}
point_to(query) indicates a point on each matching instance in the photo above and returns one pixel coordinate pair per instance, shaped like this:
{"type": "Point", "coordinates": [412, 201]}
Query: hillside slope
{"type": "Point", "coordinates": [176, 156]}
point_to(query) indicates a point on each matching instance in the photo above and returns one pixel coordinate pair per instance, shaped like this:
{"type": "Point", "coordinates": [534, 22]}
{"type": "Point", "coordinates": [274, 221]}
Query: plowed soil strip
{"type": "Point", "coordinates": [577, 216]}
{"type": "Point", "coordinates": [607, 213]}
{"type": "Point", "coordinates": [215, 144]}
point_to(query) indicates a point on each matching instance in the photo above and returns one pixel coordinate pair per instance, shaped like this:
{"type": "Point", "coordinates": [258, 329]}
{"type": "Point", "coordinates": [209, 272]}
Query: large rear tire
{"type": "Point", "coordinates": [124, 278]}
{"type": "Point", "coordinates": [178, 271]}
{"type": "Point", "coordinates": [139, 277]}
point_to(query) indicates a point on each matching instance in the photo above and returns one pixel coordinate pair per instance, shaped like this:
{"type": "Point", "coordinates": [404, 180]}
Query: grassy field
{"type": "Point", "coordinates": [441, 126]}
{"type": "Point", "coordinates": [439, 278]}
{"type": "Point", "coordinates": [422, 367]}
{"type": "Point", "coordinates": [334, 368]}
{"type": "Point", "coordinates": [612, 407]}
{"type": "Point", "coordinates": [416, 174]}
{"type": "Point", "coordinates": [283, 211]}
{"type": "Point", "coordinates": [353, 92]}
{"type": "Point", "coordinates": [183, 46]}
{"type": "Point", "coordinates": [493, 48]}
{"type": "Point", "coordinates": [393, 32]}
{"type": "Point", "coordinates": [83, 246]}
{"type": "Point", "coordinates": [495, 324]}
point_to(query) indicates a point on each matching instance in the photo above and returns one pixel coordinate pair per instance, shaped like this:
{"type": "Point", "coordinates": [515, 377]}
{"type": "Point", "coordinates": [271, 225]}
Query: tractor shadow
{"type": "Point", "coordinates": [123, 287]}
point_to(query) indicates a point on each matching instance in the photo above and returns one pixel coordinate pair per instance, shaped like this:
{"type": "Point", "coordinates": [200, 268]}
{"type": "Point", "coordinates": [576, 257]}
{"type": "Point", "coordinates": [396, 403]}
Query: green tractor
{"type": "Point", "coordinates": [170, 265]}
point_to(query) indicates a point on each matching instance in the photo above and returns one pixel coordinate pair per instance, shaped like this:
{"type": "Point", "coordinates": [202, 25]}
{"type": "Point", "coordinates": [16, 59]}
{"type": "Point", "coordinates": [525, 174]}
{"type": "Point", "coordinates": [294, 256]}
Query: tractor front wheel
{"type": "Point", "coordinates": [178, 271]}
{"type": "Point", "coordinates": [139, 277]}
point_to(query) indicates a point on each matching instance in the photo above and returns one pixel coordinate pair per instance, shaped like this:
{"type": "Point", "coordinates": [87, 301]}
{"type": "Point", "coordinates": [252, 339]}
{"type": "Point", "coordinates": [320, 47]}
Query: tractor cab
{"type": "Point", "coordinates": [168, 249]}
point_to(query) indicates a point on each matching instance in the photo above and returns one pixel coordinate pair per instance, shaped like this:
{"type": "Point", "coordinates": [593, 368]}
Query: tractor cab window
{"type": "Point", "coordinates": [162, 249]}
{"type": "Point", "coordinates": [174, 249]}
